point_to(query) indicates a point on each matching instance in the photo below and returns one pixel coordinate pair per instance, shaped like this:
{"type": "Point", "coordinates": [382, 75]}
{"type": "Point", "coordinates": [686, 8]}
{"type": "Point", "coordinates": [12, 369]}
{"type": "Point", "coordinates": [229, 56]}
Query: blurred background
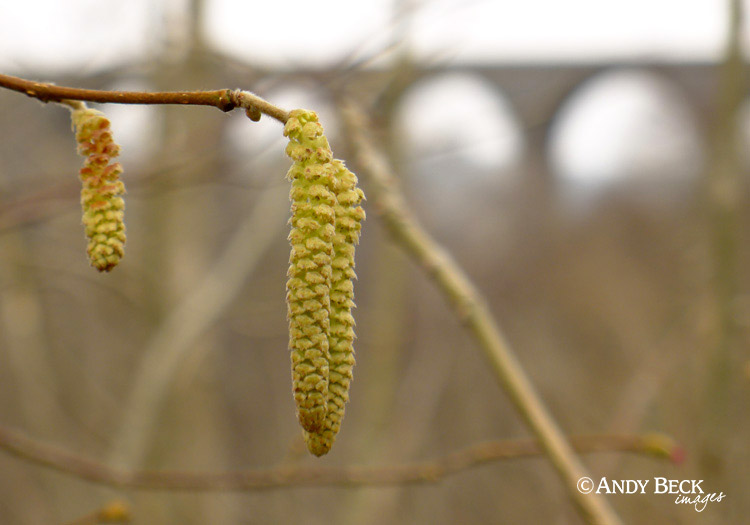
{"type": "Point", "coordinates": [585, 162]}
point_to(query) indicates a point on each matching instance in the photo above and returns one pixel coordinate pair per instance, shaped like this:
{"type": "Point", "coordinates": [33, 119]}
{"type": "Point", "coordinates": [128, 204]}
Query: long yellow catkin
{"type": "Point", "coordinates": [348, 218]}
{"type": "Point", "coordinates": [103, 208]}
{"type": "Point", "coordinates": [326, 221]}
{"type": "Point", "coordinates": [309, 284]}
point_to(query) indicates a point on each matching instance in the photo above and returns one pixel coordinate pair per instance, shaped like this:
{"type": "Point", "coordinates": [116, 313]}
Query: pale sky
{"type": "Point", "coordinates": [485, 30]}
{"type": "Point", "coordinates": [55, 35]}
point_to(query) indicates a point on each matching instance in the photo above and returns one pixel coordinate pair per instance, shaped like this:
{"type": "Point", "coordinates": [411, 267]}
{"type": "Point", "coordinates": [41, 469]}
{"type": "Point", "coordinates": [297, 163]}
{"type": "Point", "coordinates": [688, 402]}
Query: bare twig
{"type": "Point", "coordinates": [55, 458]}
{"type": "Point", "coordinates": [471, 309]}
{"type": "Point", "coordinates": [224, 99]}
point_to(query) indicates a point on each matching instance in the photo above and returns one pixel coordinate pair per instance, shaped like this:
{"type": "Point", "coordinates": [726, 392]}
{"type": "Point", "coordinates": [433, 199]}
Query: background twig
{"type": "Point", "coordinates": [48, 456]}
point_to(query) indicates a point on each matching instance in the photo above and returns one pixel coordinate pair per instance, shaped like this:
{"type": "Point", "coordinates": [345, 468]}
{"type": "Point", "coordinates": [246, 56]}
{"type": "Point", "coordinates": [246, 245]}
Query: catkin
{"type": "Point", "coordinates": [103, 208]}
{"type": "Point", "coordinates": [348, 218]}
{"type": "Point", "coordinates": [326, 221]}
{"type": "Point", "coordinates": [309, 284]}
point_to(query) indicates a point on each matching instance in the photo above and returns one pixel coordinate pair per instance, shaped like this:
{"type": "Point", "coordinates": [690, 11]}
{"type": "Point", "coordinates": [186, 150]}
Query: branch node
{"type": "Point", "coordinates": [253, 113]}
{"type": "Point", "coordinates": [227, 101]}
{"type": "Point", "coordinates": [244, 99]}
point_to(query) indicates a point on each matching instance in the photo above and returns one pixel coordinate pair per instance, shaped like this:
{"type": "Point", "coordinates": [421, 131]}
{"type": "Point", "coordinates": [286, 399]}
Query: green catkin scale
{"type": "Point", "coordinates": [103, 208]}
{"type": "Point", "coordinates": [348, 218]}
{"type": "Point", "coordinates": [310, 272]}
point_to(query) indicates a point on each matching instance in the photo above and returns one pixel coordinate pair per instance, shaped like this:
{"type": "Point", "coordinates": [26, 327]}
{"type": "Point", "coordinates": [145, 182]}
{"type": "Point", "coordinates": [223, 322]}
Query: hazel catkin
{"type": "Point", "coordinates": [348, 218]}
{"type": "Point", "coordinates": [326, 220]}
{"type": "Point", "coordinates": [103, 208]}
{"type": "Point", "coordinates": [309, 284]}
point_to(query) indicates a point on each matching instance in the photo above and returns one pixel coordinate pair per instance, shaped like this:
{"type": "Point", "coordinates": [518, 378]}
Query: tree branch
{"type": "Point", "coordinates": [470, 308]}
{"type": "Point", "coordinates": [224, 99]}
{"type": "Point", "coordinates": [55, 458]}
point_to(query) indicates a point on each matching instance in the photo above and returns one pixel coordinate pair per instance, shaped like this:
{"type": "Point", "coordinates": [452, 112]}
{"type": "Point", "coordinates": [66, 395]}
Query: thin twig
{"type": "Point", "coordinates": [63, 461]}
{"type": "Point", "coordinates": [224, 99]}
{"type": "Point", "coordinates": [470, 309]}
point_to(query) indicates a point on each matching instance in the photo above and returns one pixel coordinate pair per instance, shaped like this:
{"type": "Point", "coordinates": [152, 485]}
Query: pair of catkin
{"type": "Point", "coordinates": [326, 222]}
{"type": "Point", "coordinates": [103, 207]}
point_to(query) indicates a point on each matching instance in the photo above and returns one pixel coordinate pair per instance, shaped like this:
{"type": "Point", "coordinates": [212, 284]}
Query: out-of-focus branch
{"type": "Point", "coordinates": [52, 457]}
{"type": "Point", "coordinates": [724, 182]}
{"type": "Point", "coordinates": [224, 99]}
{"type": "Point", "coordinates": [471, 310]}
{"type": "Point", "coordinates": [723, 194]}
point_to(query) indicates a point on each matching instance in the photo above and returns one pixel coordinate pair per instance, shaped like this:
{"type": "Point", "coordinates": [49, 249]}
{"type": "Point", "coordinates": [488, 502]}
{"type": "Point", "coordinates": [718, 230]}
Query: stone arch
{"type": "Point", "coordinates": [629, 128]}
{"type": "Point", "coordinates": [460, 145]}
{"type": "Point", "coordinates": [459, 110]}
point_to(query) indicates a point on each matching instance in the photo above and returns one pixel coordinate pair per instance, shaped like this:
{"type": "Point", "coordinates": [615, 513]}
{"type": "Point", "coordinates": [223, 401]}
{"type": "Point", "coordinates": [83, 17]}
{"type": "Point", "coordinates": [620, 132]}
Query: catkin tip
{"type": "Point", "coordinates": [319, 443]}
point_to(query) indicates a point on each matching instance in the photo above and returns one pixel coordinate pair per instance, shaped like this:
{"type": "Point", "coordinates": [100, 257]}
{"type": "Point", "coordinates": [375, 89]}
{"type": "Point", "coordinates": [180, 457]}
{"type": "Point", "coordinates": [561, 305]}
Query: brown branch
{"type": "Point", "coordinates": [224, 99]}
{"type": "Point", "coordinates": [55, 458]}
